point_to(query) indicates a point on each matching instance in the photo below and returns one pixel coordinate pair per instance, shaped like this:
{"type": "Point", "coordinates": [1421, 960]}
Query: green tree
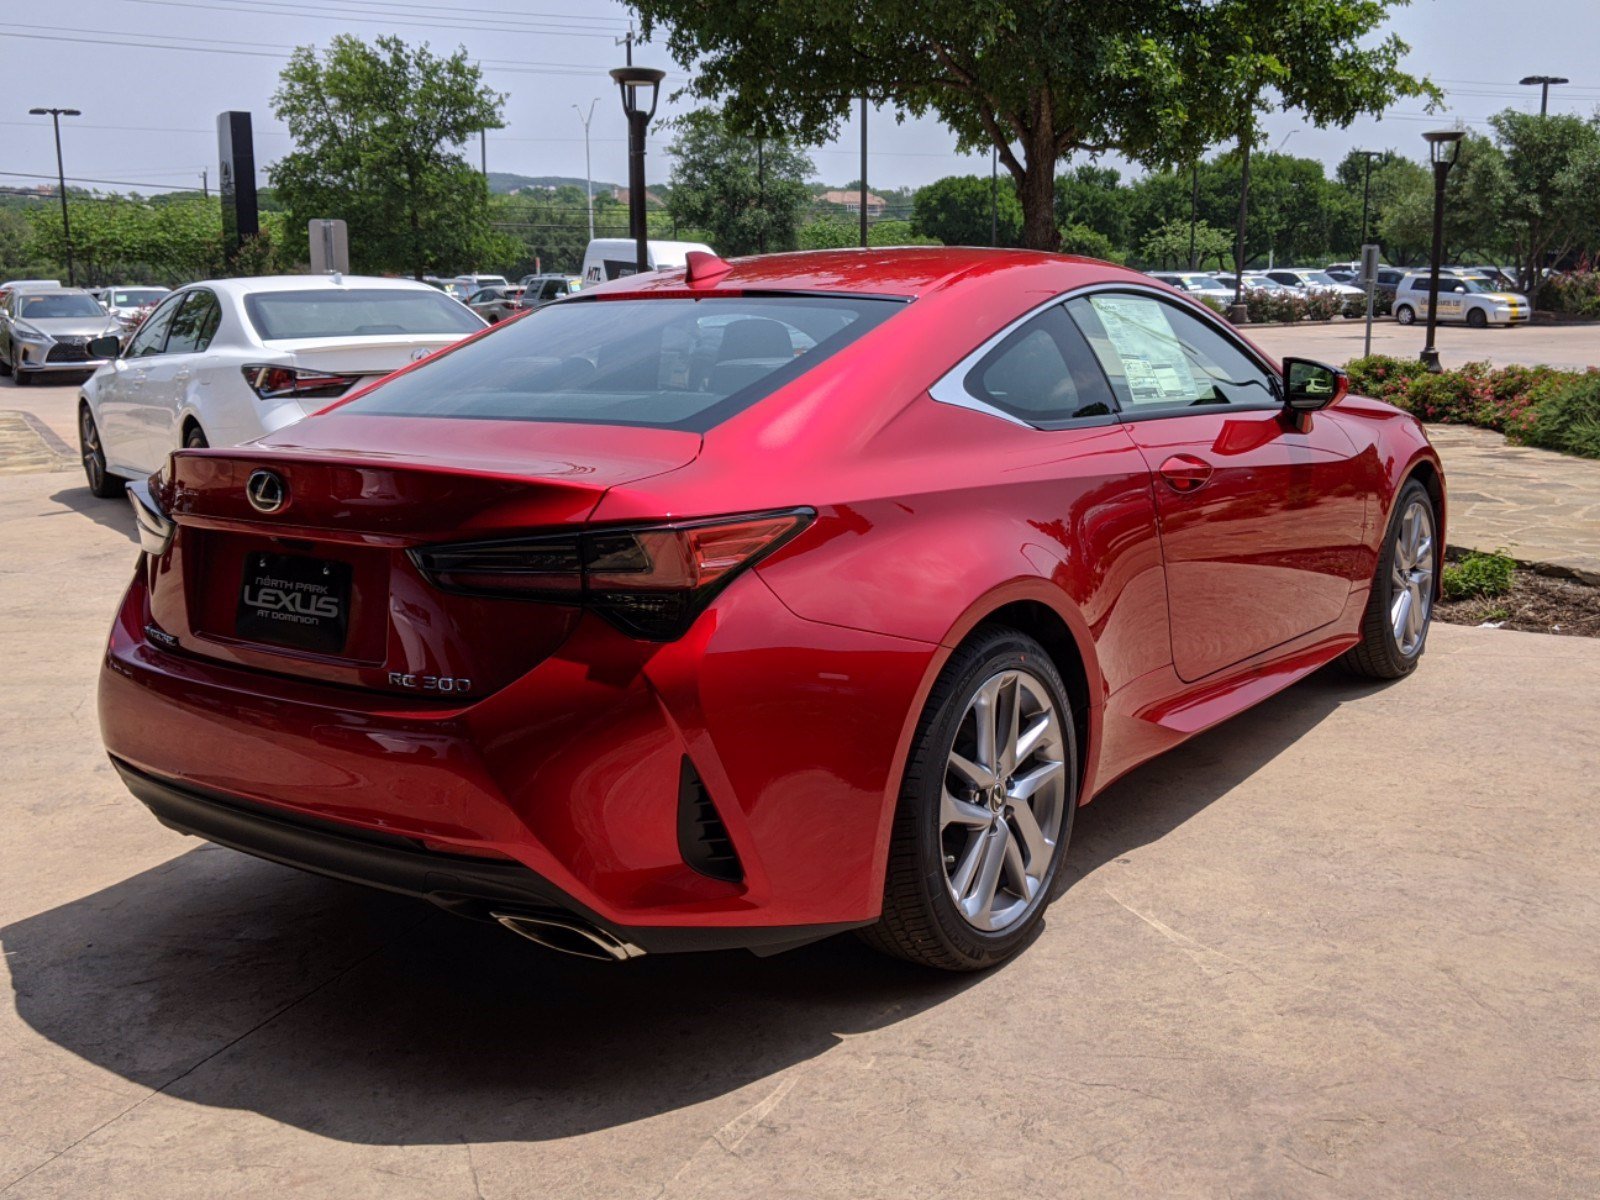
{"type": "Point", "coordinates": [1394, 180]}
{"type": "Point", "coordinates": [1090, 243]}
{"type": "Point", "coordinates": [1038, 80]}
{"type": "Point", "coordinates": [746, 193]}
{"type": "Point", "coordinates": [377, 131]}
{"type": "Point", "coordinates": [1094, 198]}
{"type": "Point", "coordinates": [894, 232]}
{"type": "Point", "coordinates": [549, 230]}
{"type": "Point", "coordinates": [170, 239]}
{"type": "Point", "coordinates": [1549, 194]}
{"type": "Point", "coordinates": [1474, 208]}
{"type": "Point", "coordinates": [1168, 246]}
{"type": "Point", "coordinates": [959, 210]}
{"type": "Point", "coordinates": [829, 233]}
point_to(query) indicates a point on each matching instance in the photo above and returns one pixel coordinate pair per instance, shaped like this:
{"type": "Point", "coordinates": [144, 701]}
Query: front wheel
{"type": "Point", "coordinates": [985, 809]}
{"type": "Point", "coordinates": [1477, 318]}
{"type": "Point", "coordinates": [101, 481]}
{"type": "Point", "coordinates": [194, 438]}
{"type": "Point", "coordinates": [1394, 629]}
{"type": "Point", "coordinates": [1404, 314]}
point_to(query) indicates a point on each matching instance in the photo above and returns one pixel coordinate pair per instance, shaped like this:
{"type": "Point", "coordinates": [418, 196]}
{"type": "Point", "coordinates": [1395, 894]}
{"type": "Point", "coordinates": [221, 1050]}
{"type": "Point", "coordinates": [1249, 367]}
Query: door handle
{"type": "Point", "coordinates": [1184, 473]}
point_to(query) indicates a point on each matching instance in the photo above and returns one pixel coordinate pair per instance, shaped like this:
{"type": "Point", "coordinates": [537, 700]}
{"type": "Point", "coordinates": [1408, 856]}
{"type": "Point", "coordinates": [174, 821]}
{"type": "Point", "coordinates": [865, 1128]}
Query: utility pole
{"type": "Point", "coordinates": [994, 195]}
{"type": "Point", "coordinates": [55, 115]}
{"type": "Point", "coordinates": [626, 40]}
{"type": "Point", "coordinates": [1543, 82]}
{"type": "Point", "coordinates": [1194, 210]}
{"type": "Point", "coordinates": [862, 195]}
{"type": "Point", "coordinates": [483, 154]}
{"type": "Point", "coordinates": [761, 192]}
{"type": "Point", "coordinates": [588, 172]}
{"type": "Point", "coordinates": [205, 187]}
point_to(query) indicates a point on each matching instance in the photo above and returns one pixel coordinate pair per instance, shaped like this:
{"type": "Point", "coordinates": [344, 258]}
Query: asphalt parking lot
{"type": "Point", "coordinates": [1346, 945]}
{"type": "Point", "coordinates": [1569, 347]}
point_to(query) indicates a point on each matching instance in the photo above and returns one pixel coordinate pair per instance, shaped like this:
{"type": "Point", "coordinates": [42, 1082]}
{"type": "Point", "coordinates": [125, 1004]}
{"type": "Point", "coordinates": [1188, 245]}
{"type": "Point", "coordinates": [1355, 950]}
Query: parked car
{"type": "Point", "coordinates": [1308, 279]}
{"type": "Point", "coordinates": [10, 284]}
{"type": "Point", "coordinates": [1195, 284]}
{"type": "Point", "coordinates": [473, 282]}
{"type": "Point", "coordinates": [1388, 281]}
{"type": "Point", "coordinates": [49, 331]}
{"type": "Point", "coordinates": [226, 361]}
{"type": "Point", "coordinates": [130, 305]}
{"type": "Point", "coordinates": [496, 303]}
{"type": "Point", "coordinates": [612, 258]}
{"type": "Point", "coordinates": [542, 289]}
{"type": "Point", "coordinates": [1253, 280]}
{"type": "Point", "coordinates": [632, 657]}
{"type": "Point", "coordinates": [1468, 298]}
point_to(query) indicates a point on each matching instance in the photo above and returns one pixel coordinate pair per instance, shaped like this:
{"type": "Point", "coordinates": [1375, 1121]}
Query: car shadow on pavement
{"type": "Point", "coordinates": [115, 514]}
{"type": "Point", "coordinates": [372, 1019]}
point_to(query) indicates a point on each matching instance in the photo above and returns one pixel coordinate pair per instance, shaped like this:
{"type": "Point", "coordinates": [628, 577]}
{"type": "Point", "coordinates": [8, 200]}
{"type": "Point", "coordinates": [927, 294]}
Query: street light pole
{"type": "Point", "coordinates": [639, 85]}
{"type": "Point", "coordinates": [994, 195]}
{"type": "Point", "coordinates": [1366, 189]}
{"type": "Point", "coordinates": [863, 195]}
{"type": "Point", "coordinates": [588, 172]}
{"type": "Point", "coordinates": [1443, 147]}
{"type": "Point", "coordinates": [1194, 209]}
{"type": "Point", "coordinates": [1543, 83]}
{"type": "Point", "coordinates": [55, 115]}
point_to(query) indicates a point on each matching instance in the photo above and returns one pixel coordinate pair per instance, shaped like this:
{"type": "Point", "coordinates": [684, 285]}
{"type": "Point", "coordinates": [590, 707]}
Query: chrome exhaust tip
{"type": "Point", "coordinates": [568, 935]}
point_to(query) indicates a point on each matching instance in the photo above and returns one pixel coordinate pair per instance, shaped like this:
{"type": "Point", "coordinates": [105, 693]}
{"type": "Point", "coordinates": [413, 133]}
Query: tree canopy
{"type": "Point", "coordinates": [745, 193]}
{"type": "Point", "coordinates": [959, 210]}
{"type": "Point", "coordinates": [1039, 80]}
{"type": "Point", "coordinates": [377, 131]}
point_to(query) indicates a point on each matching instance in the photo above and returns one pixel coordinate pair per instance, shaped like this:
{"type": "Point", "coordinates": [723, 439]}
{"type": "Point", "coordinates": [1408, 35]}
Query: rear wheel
{"type": "Point", "coordinates": [985, 810]}
{"type": "Point", "coordinates": [101, 482]}
{"type": "Point", "coordinates": [1404, 314]}
{"type": "Point", "coordinates": [1400, 608]}
{"type": "Point", "coordinates": [1477, 318]}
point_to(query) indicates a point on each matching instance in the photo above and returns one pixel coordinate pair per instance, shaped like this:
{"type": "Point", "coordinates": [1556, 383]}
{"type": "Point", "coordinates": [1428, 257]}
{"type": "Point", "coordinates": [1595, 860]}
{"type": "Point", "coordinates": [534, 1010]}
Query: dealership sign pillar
{"type": "Point", "coordinates": [236, 153]}
{"type": "Point", "coordinates": [330, 246]}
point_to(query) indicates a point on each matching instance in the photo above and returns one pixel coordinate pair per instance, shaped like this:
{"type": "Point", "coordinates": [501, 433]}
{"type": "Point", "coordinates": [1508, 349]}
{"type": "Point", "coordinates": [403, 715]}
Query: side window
{"type": "Point", "coordinates": [552, 289]}
{"type": "Point", "coordinates": [1162, 359]}
{"type": "Point", "coordinates": [152, 335]}
{"type": "Point", "coordinates": [194, 326]}
{"type": "Point", "coordinates": [1043, 373]}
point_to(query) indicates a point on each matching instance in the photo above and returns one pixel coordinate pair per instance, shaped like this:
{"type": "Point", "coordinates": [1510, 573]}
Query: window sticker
{"type": "Point", "coordinates": [1153, 360]}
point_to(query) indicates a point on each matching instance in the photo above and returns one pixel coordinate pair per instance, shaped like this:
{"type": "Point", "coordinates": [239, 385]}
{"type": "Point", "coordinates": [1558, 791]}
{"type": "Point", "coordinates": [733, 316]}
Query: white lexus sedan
{"type": "Point", "coordinates": [229, 360]}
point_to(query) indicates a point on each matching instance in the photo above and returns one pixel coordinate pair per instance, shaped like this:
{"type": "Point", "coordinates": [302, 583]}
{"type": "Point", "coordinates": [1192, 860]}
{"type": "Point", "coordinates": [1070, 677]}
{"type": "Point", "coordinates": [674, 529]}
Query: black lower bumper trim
{"type": "Point", "coordinates": [471, 887]}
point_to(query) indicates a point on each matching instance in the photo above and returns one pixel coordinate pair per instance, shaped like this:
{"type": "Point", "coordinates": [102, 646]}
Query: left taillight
{"type": "Point", "coordinates": [154, 526]}
{"type": "Point", "coordinates": [650, 581]}
{"type": "Point", "coordinates": [277, 382]}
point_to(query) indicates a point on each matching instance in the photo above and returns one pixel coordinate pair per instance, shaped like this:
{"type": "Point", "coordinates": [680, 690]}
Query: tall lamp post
{"type": "Point", "coordinates": [1366, 188]}
{"type": "Point", "coordinates": [55, 115]}
{"type": "Point", "coordinates": [641, 87]}
{"type": "Point", "coordinates": [588, 173]}
{"type": "Point", "coordinates": [1542, 82]}
{"type": "Point", "coordinates": [1443, 147]}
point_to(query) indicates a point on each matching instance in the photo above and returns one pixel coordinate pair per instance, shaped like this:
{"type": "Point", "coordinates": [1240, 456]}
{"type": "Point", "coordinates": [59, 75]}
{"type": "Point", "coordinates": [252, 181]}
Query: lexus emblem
{"type": "Point", "coordinates": [420, 353]}
{"type": "Point", "coordinates": [266, 491]}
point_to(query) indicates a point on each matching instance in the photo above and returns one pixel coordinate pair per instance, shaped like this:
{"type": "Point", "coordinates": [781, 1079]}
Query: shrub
{"type": "Point", "coordinates": [1382, 376]}
{"type": "Point", "coordinates": [1564, 413]}
{"type": "Point", "coordinates": [1478, 575]}
{"type": "Point", "coordinates": [1576, 292]}
{"type": "Point", "coordinates": [1323, 306]}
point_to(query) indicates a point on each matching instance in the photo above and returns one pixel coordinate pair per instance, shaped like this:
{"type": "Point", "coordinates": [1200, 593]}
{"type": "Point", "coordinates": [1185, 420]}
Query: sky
{"type": "Point", "coordinates": [151, 75]}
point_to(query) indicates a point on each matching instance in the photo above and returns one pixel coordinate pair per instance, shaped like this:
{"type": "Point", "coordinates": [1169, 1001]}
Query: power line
{"type": "Point", "coordinates": [330, 12]}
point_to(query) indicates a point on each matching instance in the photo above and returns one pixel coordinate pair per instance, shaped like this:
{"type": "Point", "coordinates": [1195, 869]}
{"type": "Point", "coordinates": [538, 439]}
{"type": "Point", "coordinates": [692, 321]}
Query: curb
{"type": "Point", "coordinates": [1454, 553]}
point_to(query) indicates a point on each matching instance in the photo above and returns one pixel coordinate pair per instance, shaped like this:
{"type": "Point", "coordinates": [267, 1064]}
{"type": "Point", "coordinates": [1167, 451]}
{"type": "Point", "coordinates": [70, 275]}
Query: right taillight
{"type": "Point", "coordinates": [650, 581]}
{"type": "Point", "coordinates": [276, 382]}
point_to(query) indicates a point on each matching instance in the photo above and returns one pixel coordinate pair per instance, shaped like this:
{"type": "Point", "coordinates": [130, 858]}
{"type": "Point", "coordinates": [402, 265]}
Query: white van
{"type": "Point", "coordinates": [612, 258]}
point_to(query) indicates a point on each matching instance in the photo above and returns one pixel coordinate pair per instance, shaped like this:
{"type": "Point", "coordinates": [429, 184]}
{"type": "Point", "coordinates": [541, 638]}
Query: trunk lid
{"type": "Point", "coordinates": [322, 588]}
{"type": "Point", "coordinates": [374, 355]}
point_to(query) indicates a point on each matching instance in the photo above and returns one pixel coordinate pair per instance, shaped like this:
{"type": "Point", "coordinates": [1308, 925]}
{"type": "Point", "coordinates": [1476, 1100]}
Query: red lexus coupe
{"type": "Point", "coordinates": [740, 605]}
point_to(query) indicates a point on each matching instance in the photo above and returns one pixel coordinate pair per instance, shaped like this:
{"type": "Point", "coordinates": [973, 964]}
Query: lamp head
{"type": "Point", "coordinates": [641, 86]}
{"type": "Point", "coordinates": [1444, 145]}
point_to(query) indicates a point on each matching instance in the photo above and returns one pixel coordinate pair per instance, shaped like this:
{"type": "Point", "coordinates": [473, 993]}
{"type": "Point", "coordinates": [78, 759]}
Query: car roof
{"type": "Point", "coordinates": [256, 284]}
{"type": "Point", "coordinates": [908, 271]}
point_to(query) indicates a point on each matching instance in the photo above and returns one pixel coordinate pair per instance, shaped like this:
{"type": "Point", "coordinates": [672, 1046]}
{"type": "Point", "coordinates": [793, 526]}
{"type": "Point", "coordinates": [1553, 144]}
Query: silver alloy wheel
{"type": "Point", "coordinates": [1003, 800]}
{"type": "Point", "coordinates": [1411, 574]}
{"type": "Point", "coordinates": [94, 459]}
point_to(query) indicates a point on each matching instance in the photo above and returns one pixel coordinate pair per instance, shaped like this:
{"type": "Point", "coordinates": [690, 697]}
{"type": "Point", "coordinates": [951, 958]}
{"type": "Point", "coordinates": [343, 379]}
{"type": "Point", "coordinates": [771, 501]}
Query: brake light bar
{"type": "Point", "coordinates": [650, 581]}
{"type": "Point", "coordinates": [275, 382]}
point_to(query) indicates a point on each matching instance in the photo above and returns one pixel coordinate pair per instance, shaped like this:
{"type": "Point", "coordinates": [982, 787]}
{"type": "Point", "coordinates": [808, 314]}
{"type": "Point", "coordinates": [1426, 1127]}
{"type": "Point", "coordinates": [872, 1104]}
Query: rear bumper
{"type": "Point", "coordinates": [466, 886]}
{"type": "Point", "coordinates": [563, 784]}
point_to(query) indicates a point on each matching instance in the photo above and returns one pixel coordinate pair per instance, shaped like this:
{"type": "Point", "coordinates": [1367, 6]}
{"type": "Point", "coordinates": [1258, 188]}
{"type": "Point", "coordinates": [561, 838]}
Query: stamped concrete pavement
{"type": "Point", "coordinates": [1346, 945]}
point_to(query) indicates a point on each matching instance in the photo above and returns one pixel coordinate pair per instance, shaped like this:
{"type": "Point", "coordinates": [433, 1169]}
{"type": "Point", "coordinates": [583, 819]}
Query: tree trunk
{"type": "Point", "coordinates": [1037, 191]}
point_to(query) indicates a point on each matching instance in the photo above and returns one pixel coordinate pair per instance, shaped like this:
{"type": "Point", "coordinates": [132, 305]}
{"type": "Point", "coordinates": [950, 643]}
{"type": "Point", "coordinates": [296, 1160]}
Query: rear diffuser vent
{"type": "Point", "coordinates": [702, 837]}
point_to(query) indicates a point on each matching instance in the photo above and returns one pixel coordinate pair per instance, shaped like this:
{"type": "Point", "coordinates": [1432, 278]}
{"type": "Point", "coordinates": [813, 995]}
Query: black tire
{"type": "Point", "coordinates": [1377, 655]}
{"type": "Point", "coordinates": [22, 378]}
{"type": "Point", "coordinates": [1404, 314]}
{"type": "Point", "coordinates": [194, 438]}
{"type": "Point", "coordinates": [5, 369]}
{"type": "Point", "coordinates": [92, 453]}
{"type": "Point", "coordinates": [920, 920]}
{"type": "Point", "coordinates": [1477, 318]}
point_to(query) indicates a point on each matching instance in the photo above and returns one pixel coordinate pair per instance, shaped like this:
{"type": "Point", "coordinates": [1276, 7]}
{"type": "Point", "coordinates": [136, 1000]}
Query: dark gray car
{"type": "Point", "coordinates": [48, 331]}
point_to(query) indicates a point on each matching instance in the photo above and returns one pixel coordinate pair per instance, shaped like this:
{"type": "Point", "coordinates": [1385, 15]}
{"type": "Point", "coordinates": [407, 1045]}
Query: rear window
{"type": "Point", "coordinates": [356, 312]}
{"type": "Point", "coordinates": [669, 363]}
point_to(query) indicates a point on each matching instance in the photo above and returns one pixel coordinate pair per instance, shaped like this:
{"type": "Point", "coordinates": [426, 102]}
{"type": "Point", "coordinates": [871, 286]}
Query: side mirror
{"type": "Point", "coordinates": [108, 346]}
{"type": "Point", "coordinates": [1309, 385]}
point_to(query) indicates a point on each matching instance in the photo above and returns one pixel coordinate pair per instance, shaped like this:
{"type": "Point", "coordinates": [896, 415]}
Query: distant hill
{"type": "Point", "coordinates": [502, 182]}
